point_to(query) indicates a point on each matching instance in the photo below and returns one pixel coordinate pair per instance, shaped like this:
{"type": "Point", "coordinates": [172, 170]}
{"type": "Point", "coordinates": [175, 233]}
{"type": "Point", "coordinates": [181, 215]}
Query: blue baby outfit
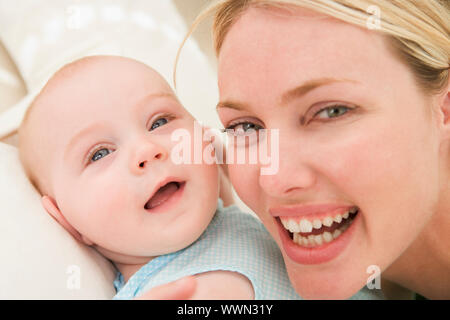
{"type": "Point", "coordinates": [234, 241]}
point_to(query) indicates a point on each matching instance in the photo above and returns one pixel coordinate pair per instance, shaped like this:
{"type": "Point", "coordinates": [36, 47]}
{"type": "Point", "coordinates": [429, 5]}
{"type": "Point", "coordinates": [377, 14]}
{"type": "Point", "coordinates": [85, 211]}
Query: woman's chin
{"type": "Point", "coordinates": [323, 285]}
{"type": "Point", "coordinates": [325, 291]}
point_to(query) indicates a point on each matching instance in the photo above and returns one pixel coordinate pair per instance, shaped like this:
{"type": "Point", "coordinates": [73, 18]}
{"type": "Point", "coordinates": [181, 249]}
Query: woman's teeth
{"type": "Point", "coordinates": [322, 230]}
{"type": "Point", "coordinates": [318, 239]}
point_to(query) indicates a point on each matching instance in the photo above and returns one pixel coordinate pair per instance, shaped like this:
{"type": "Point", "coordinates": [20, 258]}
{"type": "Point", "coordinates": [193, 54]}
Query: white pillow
{"type": "Point", "coordinates": [40, 260]}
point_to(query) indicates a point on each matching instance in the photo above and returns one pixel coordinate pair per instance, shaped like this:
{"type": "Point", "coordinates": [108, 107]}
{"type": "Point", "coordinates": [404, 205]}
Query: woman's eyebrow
{"type": "Point", "coordinates": [289, 95]}
{"type": "Point", "coordinates": [309, 86]}
{"type": "Point", "coordinates": [231, 105]}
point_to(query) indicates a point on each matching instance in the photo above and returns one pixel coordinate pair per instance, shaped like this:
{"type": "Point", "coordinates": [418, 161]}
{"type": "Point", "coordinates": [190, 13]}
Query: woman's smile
{"type": "Point", "coordinates": [314, 234]}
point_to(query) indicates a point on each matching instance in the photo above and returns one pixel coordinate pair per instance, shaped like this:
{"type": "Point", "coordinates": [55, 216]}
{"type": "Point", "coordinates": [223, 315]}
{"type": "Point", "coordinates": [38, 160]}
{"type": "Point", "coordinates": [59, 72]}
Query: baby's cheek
{"type": "Point", "coordinates": [103, 207]}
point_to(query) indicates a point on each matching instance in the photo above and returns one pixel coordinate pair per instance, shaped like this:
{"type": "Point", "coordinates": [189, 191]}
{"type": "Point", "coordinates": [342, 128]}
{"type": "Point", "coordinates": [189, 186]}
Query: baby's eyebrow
{"type": "Point", "coordinates": [148, 98]}
{"type": "Point", "coordinates": [77, 137]}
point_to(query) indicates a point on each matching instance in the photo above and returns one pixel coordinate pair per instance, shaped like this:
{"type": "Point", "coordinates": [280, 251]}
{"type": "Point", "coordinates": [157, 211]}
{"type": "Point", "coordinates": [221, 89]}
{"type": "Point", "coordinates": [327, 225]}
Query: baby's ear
{"type": "Point", "coordinates": [52, 209]}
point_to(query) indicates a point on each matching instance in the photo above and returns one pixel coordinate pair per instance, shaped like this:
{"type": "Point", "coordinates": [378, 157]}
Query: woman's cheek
{"type": "Point", "coordinates": [385, 172]}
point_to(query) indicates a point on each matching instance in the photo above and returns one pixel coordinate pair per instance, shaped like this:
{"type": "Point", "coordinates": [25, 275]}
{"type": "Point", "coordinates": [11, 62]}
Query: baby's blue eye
{"type": "Point", "coordinates": [100, 154]}
{"type": "Point", "coordinates": [158, 123]}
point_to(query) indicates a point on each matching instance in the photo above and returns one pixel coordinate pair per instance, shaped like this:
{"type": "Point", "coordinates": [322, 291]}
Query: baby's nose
{"type": "Point", "coordinates": [144, 154]}
{"type": "Point", "coordinates": [143, 163]}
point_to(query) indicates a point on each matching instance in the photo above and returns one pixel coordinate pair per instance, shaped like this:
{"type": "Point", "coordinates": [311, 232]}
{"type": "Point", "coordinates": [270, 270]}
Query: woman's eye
{"type": "Point", "coordinates": [158, 123]}
{"type": "Point", "coordinates": [332, 112]}
{"type": "Point", "coordinates": [99, 154]}
{"type": "Point", "coordinates": [243, 127]}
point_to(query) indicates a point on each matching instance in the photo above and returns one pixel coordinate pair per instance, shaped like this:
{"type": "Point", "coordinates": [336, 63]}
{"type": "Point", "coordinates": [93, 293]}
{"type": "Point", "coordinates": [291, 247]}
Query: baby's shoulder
{"type": "Point", "coordinates": [231, 228]}
{"type": "Point", "coordinates": [233, 221]}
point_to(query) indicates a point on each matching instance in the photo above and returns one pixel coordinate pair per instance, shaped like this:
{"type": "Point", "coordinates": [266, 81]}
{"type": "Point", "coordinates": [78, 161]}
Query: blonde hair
{"type": "Point", "coordinates": [418, 30]}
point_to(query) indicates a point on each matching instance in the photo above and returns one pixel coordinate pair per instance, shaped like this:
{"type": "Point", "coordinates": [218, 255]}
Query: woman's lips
{"type": "Point", "coordinates": [311, 210]}
{"type": "Point", "coordinates": [314, 238]}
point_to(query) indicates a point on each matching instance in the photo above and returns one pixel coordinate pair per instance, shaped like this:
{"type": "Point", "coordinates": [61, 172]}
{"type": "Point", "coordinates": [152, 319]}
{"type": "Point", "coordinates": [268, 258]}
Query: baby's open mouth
{"type": "Point", "coordinates": [163, 194]}
{"type": "Point", "coordinates": [313, 233]}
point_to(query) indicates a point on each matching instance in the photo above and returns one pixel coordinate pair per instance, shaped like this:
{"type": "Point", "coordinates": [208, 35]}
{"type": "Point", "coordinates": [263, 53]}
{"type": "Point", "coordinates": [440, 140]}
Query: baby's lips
{"type": "Point", "coordinates": [162, 195]}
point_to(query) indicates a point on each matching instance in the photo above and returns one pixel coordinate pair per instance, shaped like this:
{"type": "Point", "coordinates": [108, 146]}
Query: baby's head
{"type": "Point", "coordinates": [97, 145]}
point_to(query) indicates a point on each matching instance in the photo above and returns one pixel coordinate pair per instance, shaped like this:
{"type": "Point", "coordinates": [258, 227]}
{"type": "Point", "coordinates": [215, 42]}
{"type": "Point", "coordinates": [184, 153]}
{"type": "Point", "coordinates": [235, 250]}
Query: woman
{"type": "Point", "coordinates": [362, 105]}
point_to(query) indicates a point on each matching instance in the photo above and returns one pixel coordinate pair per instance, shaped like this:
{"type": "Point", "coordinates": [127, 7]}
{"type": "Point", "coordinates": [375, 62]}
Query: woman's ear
{"type": "Point", "coordinates": [52, 209]}
{"type": "Point", "coordinates": [444, 105]}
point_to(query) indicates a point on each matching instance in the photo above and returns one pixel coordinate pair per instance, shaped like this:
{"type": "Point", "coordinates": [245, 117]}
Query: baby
{"type": "Point", "coordinates": [97, 142]}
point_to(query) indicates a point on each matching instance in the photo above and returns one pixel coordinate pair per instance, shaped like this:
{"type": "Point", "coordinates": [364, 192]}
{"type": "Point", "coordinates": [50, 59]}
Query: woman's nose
{"type": "Point", "coordinates": [294, 174]}
{"type": "Point", "coordinates": [144, 154]}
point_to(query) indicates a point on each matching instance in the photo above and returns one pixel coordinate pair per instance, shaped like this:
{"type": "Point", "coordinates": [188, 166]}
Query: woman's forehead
{"type": "Point", "coordinates": [263, 48]}
{"type": "Point", "coordinates": [262, 32]}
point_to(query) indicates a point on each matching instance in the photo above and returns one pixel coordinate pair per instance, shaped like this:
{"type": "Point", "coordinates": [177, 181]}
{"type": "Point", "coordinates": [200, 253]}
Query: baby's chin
{"type": "Point", "coordinates": [122, 258]}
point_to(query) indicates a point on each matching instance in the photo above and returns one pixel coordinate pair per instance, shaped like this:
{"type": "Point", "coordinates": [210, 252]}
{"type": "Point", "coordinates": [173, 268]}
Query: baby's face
{"type": "Point", "coordinates": [108, 156]}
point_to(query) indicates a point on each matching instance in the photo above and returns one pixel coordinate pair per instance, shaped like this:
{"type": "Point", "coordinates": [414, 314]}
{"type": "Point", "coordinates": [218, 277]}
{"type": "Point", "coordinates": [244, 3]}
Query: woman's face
{"type": "Point", "coordinates": [355, 133]}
